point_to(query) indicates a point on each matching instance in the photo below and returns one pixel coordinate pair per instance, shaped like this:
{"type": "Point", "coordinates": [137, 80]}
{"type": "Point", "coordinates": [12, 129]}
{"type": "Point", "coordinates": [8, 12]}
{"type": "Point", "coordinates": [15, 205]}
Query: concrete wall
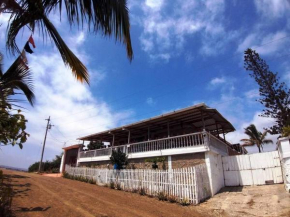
{"type": "Point", "coordinates": [177, 161]}
{"type": "Point", "coordinates": [215, 171]}
{"type": "Point", "coordinates": [284, 153]}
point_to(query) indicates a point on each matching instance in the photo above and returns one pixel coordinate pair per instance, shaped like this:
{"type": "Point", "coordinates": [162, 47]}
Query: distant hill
{"type": "Point", "coordinates": [13, 168]}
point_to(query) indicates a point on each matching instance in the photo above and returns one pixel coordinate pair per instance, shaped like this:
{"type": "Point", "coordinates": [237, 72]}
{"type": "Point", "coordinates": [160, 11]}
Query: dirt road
{"type": "Point", "coordinates": [37, 195]}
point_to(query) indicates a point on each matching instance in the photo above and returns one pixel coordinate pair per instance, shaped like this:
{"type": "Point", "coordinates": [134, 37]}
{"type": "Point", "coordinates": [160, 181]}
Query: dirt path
{"type": "Point", "coordinates": [37, 195]}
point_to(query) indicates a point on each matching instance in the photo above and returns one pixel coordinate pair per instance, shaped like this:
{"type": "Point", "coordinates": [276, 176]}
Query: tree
{"type": "Point", "coordinates": [275, 95]}
{"type": "Point", "coordinates": [119, 158]}
{"type": "Point", "coordinates": [95, 145]}
{"type": "Point", "coordinates": [286, 131]}
{"type": "Point", "coordinates": [110, 17]}
{"type": "Point", "coordinates": [13, 125]}
{"type": "Point", "coordinates": [255, 137]}
{"type": "Point", "coordinates": [48, 166]}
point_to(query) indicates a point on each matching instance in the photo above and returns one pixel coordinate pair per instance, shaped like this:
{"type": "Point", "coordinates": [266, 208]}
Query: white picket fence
{"type": "Point", "coordinates": [190, 183]}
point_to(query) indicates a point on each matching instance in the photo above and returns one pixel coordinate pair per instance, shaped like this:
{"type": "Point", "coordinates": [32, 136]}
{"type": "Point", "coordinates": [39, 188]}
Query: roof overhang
{"type": "Point", "coordinates": [197, 116]}
{"type": "Point", "coordinates": [73, 147]}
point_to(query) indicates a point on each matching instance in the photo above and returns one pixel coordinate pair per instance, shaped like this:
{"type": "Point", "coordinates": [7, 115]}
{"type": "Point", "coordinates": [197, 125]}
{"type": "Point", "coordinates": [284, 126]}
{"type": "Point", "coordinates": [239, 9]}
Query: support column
{"type": "Point", "coordinates": [148, 135]}
{"type": "Point", "coordinates": [169, 163]}
{"type": "Point", "coordinates": [168, 130]}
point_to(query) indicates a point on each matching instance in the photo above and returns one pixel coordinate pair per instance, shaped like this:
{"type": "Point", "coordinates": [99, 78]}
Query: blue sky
{"type": "Point", "coordinates": [185, 52]}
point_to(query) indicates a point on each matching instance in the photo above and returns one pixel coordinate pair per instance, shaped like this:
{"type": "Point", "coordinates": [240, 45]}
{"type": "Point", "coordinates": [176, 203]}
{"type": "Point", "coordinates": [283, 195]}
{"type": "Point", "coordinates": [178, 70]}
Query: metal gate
{"type": "Point", "coordinates": [252, 169]}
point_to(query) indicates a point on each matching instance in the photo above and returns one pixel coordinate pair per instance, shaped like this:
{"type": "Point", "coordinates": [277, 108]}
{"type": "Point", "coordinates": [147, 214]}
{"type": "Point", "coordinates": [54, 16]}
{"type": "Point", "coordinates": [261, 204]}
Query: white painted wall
{"type": "Point", "coordinates": [215, 171]}
{"type": "Point", "coordinates": [252, 169]}
{"type": "Point", "coordinates": [284, 152]}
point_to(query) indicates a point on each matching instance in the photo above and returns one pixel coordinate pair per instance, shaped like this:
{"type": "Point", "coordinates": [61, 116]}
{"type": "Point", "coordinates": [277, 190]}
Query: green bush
{"type": "Point", "coordinates": [172, 199]}
{"type": "Point", "coordinates": [119, 186]}
{"type": "Point", "coordinates": [162, 196]}
{"type": "Point", "coordinates": [142, 191]}
{"type": "Point", "coordinates": [184, 202]}
{"type": "Point", "coordinates": [112, 185]}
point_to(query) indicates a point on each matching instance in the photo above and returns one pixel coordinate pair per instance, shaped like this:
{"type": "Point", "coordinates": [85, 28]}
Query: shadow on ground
{"type": "Point", "coordinates": [33, 209]}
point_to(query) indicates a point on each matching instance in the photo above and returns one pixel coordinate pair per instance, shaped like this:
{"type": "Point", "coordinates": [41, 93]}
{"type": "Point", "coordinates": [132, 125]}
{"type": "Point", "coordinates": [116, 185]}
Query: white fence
{"type": "Point", "coordinates": [190, 184]}
{"type": "Point", "coordinates": [252, 169]}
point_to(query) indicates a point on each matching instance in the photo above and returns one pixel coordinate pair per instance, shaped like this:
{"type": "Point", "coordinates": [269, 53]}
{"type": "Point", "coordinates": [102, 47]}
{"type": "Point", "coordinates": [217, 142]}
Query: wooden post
{"type": "Point", "coordinates": [217, 128]}
{"type": "Point", "coordinates": [148, 133]}
{"type": "Point", "coordinates": [203, 124]}
{"type": "Point", "coordinates": [168, 129]}
{"type": "Point", "coordinates": [129, 135]}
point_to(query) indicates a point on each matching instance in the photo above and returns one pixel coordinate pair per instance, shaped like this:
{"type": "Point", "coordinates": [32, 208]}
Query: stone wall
{"type": "Point", "coordinates": [178, 161]}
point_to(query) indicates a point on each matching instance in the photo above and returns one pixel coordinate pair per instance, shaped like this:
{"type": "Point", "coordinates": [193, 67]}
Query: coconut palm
{"type": "Point", "coordinates": [16, 78]}
{"type": "Point", "coordinates": [255, 137]}
{"type": "Point", "coordinates": [110, 17]}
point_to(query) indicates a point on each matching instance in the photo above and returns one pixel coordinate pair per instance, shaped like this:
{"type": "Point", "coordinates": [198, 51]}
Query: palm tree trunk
{"type": "Point", "coordinates": [259, 148]}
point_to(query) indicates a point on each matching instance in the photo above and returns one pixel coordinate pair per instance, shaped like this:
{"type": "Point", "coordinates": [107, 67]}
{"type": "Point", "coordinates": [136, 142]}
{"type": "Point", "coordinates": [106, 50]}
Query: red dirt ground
{"type": "Point", "coordinates": [37, 195]}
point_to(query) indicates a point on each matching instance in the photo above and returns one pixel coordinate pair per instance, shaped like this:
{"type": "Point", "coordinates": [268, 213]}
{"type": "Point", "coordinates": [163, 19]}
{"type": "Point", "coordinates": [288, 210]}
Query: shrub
{"type": "Point", "coordinates": [112, 185]}
{"type": "Point", "coordinates": [142, 191]}
{"type": "Point", "coordinates": [172, 199]}
{"type": "Point", "coordinates": [162, 196]}
{"type": "Point", "coordinates": [184, 202]}
{"type": "Point", "coordinates": [135, 190]}
{"type": "Point", "coordinates": [119, 186]}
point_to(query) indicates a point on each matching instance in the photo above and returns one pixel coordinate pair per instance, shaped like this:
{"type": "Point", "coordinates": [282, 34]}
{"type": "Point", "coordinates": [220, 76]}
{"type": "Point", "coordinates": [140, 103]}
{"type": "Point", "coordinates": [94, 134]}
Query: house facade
{"type": "Point", "coordinates": [181, 138]}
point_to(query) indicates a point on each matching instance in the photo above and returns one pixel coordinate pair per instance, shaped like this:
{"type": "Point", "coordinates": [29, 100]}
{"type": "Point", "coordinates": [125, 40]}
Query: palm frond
{"type": "Point", "coordinates": [1, 64]}
{"type": "Point", "coordinates": [77, 67]}
{"type": "Point", "coordinates": [18, 77]}
{"type": "Point", "coordinates": [268, 141]}
{"type": "Point", "coordinates": [111, 17]}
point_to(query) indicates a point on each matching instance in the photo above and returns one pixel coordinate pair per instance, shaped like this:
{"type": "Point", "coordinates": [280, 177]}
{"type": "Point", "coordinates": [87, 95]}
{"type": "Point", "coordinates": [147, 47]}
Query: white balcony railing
{"type": "Point", "coordinates": [183, 141]}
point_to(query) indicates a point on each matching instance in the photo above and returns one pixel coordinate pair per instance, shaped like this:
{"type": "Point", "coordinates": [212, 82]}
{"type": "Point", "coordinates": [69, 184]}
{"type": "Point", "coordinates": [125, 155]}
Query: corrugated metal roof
{"type": "Point", "coordinates": [191, 115]}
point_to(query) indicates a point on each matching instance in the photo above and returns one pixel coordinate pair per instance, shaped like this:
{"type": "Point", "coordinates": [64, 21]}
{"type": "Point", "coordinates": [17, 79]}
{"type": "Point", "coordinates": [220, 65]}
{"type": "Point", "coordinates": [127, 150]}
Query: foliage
{"type": "Point", "coordinates": [6, 194]}
{"type": "Point", "coordinates": [48, 166]}
{"type": "Point", "coordinates": [112, 185]}
{"type": "Point", "coordinates": [155, 160]}
{"type": "Point", "coordinates": [162, 196]}
{"type": "Point", "coordinates": [286, 131]}
{"type": "Point", "coordinates": [111, 18]}
{"type": "Point", "coordinates": [119, 186]}
{"type": "Point", "coordinates": [79, 178]}
{"type": "Point", "coordinates": [13, 124]}
{"type": "Point", "coordinates": [142, 191]}
{"type": "Point", "coordinates": [12, 129]}
{"type": "Point", "coordinates": [172, 199]}
{"type": "Point", "coordinates": [255, 137]}
{"type": "Point", "coordinates": [185, 202]}
{"type": "Point", "coordinates": [119, 158]}
{"type": "Point", "coordinates": [95, 145]}
{"type": "Point", "coordinates": [274, 95]}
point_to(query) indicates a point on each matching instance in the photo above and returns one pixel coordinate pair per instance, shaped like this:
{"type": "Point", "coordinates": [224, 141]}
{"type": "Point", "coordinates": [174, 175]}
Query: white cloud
{"type": "Point", "coordinates": [265, 44]}
{"type": "Point", "coordinates": [251, 94]}
{"type": "Point", "coordinates": [261, 123]}
{"type": "Point", "coordinates": [216, 81]}
{"type": "Point", "coordinates": [272, 8]}
{"type": "Point", "coordinates": [71, 105]}
{"type": "Point", "coordinates": [154, 4]}
{"type": "Point", "coordinates": [150, 101]}
{"type": "Point", "coordinates": [166, 33]}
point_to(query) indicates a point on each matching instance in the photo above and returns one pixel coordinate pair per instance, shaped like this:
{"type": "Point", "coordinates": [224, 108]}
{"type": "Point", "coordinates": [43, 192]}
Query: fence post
{"type": "Point", "coordinates": [195, 186]}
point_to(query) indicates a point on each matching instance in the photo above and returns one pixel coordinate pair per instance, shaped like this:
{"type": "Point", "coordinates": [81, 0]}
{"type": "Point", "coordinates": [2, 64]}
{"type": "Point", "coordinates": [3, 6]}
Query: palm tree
{"type": "Point", "coordinates": [12, 125]}
{"type": "Point", "coordinates": [255, 137]}
{"type": "Point", "coordinates": [17, 77]}
{"type": "Point", "coordinates": [108, 16]}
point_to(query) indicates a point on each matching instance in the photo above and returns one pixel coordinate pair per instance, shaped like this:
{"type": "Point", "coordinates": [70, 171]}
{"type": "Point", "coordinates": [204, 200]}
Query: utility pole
{"type": "Point", "coordinates": [48, 126]}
